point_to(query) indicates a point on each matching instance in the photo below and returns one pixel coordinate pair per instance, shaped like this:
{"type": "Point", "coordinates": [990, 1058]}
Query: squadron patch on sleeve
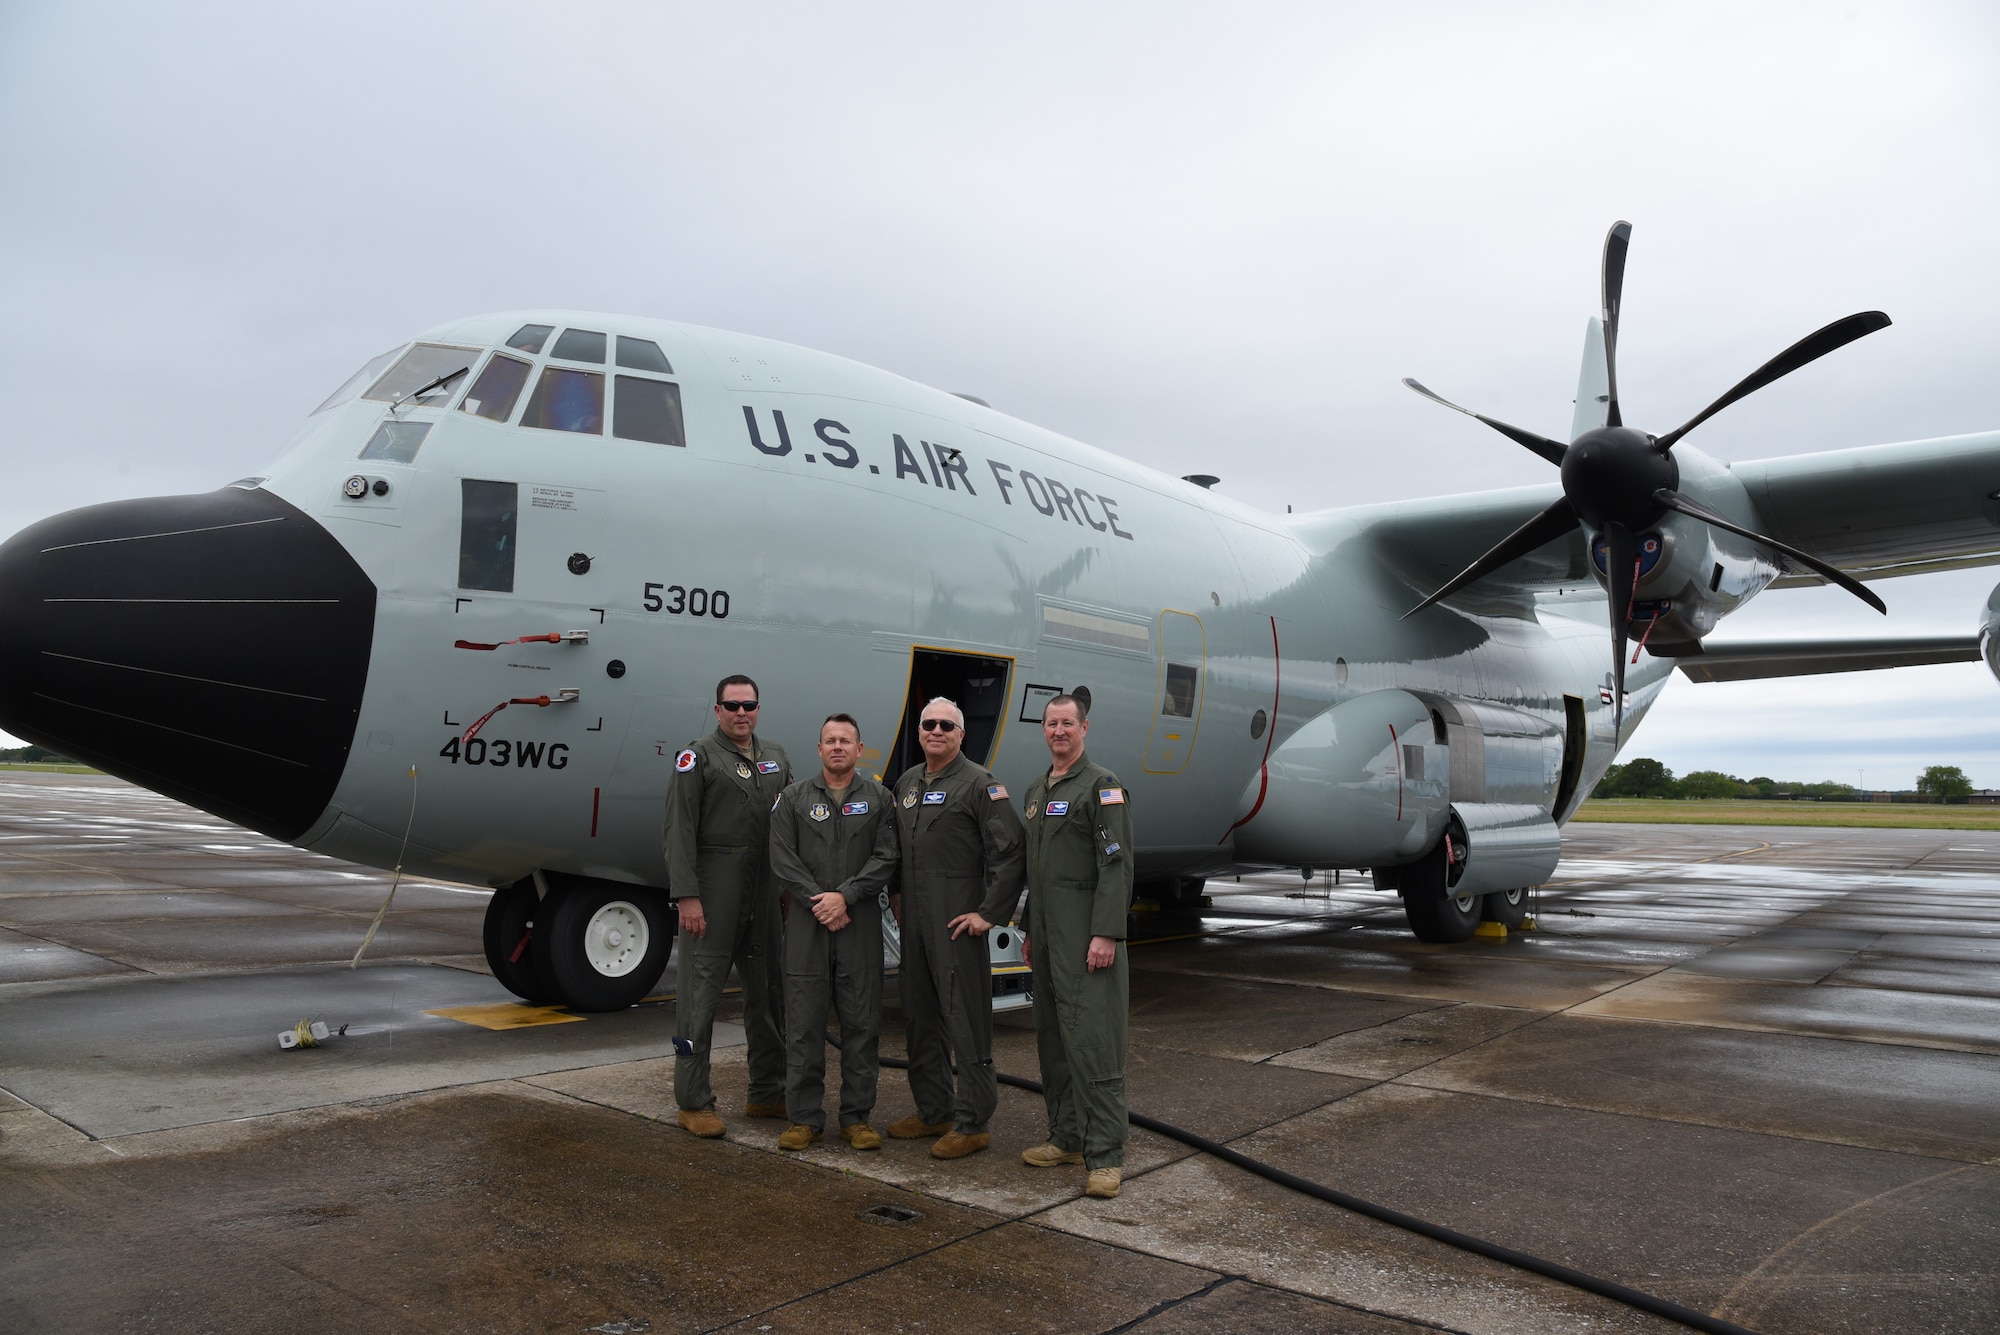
{"type": "Point", "coordinates": [684, 761]}
{"type": "Point", "coordinates": [996, 792]}
{"type": "Point", "coordinates": [1110, 797]}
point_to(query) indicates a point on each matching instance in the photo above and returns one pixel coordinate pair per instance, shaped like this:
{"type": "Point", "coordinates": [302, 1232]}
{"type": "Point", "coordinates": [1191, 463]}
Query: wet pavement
{"type": "Point", "coordinates": [1755, 1071]}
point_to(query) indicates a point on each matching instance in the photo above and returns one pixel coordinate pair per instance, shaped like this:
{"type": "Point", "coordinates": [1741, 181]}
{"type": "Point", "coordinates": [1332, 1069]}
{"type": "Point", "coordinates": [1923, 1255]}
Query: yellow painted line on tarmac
{"type": "Point", "coordinates": [507, 1015]}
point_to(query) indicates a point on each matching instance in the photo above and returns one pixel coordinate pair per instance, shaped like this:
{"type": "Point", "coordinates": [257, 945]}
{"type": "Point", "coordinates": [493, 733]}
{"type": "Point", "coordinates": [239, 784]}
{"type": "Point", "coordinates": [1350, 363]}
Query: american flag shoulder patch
{"type": "Point", "coordinates": [1110, 797]}
{"type": "Point", "coordinates": [996, 792]}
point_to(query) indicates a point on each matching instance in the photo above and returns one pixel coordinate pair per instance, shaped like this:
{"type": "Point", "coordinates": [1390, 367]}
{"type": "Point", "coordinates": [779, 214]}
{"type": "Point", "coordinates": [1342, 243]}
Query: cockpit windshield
{"type": "Point", "coordinates": [353, 384]}
{"type": "Point", "coordinates": [420, 366]}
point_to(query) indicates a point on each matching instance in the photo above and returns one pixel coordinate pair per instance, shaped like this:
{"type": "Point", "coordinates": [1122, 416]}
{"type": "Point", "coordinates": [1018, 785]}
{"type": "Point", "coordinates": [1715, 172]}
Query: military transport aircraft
{"type": "Point", "coordinates": [467, 619]}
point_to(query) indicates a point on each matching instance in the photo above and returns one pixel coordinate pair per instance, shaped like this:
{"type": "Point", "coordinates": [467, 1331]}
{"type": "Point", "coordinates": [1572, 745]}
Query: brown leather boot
{"type": "Point", "coordinates": [958, 1144]}
{"type": "Point", "coordinates": [914, 1127]}
{"type": "Point", "coordinates": [701, 1122]}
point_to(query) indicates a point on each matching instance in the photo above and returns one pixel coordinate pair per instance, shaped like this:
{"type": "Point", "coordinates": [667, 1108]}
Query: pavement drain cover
{"type": "Point", "coordinates": [889, 1214]}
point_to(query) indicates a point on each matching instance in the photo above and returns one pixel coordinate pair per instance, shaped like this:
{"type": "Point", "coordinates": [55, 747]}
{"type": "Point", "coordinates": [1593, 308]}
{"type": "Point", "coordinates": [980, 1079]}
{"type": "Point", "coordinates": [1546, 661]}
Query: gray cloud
{"type": "Point", "coordinates": [1205, 242]}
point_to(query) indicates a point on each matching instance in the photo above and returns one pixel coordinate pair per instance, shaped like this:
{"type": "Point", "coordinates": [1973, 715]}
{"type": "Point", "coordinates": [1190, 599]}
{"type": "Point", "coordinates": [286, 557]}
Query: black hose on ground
{"type": "Point", "coordinates": [1451, 1237]}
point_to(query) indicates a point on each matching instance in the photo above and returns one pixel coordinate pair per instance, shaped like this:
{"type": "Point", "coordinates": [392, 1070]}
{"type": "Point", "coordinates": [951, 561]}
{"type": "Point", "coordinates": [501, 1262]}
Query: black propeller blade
{"type": "Point", "coordinates": [1808, 349]}
{"type": "Point", "coordinates": [1542, 445]}
{"type": "Point", "coordinates": [1616, 242]}
{"type": "Point", "coordinates": [1621, 566]}
{"type": "Point", "coordinates": [1673, 500]}
{"type": "Point", "coordinates": [1545, 527]}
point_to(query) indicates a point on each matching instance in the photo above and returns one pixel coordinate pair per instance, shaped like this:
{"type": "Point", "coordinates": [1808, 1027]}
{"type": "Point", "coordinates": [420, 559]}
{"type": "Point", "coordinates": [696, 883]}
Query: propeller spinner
{"type": "Point", "coordinates": [1618, 481]}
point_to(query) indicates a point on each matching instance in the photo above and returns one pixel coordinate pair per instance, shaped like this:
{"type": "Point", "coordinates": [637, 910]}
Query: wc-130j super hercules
{"type": "Point", "coordinates": [581, 521]}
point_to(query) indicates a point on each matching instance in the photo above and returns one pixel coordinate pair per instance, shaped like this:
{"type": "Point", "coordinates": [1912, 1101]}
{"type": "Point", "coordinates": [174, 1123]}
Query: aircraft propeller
{"type": "Point", "coordinates": [1618, 482]}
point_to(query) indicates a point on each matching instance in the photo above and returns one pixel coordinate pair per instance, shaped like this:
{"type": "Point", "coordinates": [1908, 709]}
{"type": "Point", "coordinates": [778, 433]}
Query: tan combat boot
{"type": "Point", "coordinates": [914, 1127]}
{"type": "Point", "coordinates": [701, 1122]}
{"type": "Point", "coordinates": [861, 1136]}
{"type": "Point", "coordinates": [1103, 1182]}
{"type": "Point", "coordinates": [797, 1137]}
{"type": "Point", "coordinates": [958, 1144]}
{"type": "Point", "coordinates": [1050, 1156]}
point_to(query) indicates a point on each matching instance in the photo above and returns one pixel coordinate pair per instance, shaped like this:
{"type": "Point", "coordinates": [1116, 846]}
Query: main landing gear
{"type": "Point", "coordinates": [587, 944]}
{"type": "Point", "coordinates": [1437, 915]}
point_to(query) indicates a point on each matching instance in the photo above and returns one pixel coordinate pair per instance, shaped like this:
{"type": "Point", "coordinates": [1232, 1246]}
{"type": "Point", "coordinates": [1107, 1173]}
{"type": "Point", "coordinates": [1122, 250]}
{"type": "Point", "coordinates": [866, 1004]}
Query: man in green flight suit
{"type": "Point", "coordinates": [833, 849]}
{"type": "Point", "coordinates": [962, 868]}
{"type": "Point", "coordinates": [718, 839]}
{"type": "Point", "coordinates": [1079, 890]}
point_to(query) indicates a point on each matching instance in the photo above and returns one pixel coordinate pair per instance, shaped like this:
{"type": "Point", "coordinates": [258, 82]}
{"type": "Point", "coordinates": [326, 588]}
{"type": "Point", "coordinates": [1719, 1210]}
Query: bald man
{"type": "Point", "coordinates": [964, 860]}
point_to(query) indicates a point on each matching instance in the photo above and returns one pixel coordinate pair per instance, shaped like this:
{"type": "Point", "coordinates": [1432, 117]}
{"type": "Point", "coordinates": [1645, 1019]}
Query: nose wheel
{"type": "Point", "coordinates": [601, 945]}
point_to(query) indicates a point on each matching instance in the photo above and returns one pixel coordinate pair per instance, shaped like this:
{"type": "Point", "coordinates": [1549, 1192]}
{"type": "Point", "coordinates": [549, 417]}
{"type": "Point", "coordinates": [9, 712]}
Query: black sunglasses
{"type": "Point", "coordinates": [735, 706]}
{"type": "Point", "coordinates": [939, 725]}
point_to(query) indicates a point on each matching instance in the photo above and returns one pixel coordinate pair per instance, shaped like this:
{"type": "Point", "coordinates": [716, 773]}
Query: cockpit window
{"type": "Point", "coordinates": [642, 354]}
{"type": "Point", "coordinates": [648, 410]}
{"type": "Point", "coordinates": [567, 401]}
{"type": "Point", "coordinates": [419, 367]}
{"type": "Point", "coordinates": [498, 389]}
{"type": "Point", "coordinates": [396, 442]}
{"type": "Point", "coordinates": [580, 345]}
{"type": "Point", "coordinates": [357, 380]}
{"type": "Point", "coordinates": [530, 337]}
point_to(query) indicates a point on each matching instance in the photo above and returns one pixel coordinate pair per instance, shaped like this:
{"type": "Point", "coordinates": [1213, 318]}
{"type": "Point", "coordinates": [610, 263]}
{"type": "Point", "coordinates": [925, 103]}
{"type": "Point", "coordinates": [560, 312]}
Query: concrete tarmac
{"type": "Point", "coordinates": [1751, 1070]}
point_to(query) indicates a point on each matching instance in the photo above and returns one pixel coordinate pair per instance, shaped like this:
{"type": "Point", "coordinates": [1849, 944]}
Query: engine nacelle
{"type": "Point", "coordinates": [1365, 784]}
{"type": "Point", "coordinates": [1501, 846]}
{"type": "Point", "coordinates": [1989, 632]}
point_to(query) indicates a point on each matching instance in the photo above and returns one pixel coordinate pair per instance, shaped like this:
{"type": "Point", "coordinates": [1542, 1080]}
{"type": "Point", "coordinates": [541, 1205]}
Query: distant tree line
{"type": "Point", "coordinates": [29, 755]}
{"type": "Point", "coordinates": [1646, 777]}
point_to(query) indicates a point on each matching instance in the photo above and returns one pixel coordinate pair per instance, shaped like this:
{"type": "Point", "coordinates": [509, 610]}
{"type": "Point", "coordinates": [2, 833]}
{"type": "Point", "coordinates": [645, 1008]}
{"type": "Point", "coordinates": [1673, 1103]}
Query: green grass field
{"type": "Point", "coordinates": [35, 767]}
{"type": "Point", "coordinates": [1879, 815]}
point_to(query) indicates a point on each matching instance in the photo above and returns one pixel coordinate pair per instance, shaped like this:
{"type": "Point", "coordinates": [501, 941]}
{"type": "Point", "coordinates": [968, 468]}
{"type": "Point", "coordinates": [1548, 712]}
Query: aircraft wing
{"type": "Point", "coordinates": [1884, 510]}
{"type": "Point", "coordinates": [1750, 660]}
{"type": "Point", "coordinates": [1426, 542]}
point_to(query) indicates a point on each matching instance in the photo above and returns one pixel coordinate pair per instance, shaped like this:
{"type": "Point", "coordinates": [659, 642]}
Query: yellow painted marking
{"type": "Point", "coordinates": [1011, 968]}
{"type": "Point", "coordinates": [507, 1015]}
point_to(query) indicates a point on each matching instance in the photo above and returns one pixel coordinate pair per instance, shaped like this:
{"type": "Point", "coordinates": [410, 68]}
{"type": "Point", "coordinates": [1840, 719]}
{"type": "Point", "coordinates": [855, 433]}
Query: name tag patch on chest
{"type": "Point", "coordinates": [767, 767]}
{"type": "Point", "coordinates": [684, 761]}
{"type": "Point", "coordinates": [1057, 808]}
{"type": "Point", "coordinates": [853, 808]}
{"type": "Point", "coordinates": [1110, 797]}
{"type": "Point", "coordinates": [934, 798]}
{"type": "Point", "coordinates": [820, 811]}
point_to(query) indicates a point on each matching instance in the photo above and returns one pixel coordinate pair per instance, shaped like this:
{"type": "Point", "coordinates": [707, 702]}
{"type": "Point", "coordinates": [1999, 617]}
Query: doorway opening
{"type": "Point", "coordinates": [1574, 740]}
{"type": "Point", "coordinates": [977, 684]}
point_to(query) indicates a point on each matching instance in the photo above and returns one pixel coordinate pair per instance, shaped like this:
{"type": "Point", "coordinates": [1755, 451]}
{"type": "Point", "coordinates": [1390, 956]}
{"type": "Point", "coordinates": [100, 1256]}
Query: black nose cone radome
{"type": "Point", "coordinates": [213, 648]}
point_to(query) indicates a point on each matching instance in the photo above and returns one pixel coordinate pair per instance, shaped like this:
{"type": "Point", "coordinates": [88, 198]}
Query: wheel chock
{"type": "Point", "coordinates": [1493, 929]}
{"type": "Point", "coordinates": [1527, 925]}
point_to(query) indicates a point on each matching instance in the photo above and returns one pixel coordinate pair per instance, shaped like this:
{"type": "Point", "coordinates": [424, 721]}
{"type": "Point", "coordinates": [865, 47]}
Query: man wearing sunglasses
{"type": "Point", "coordinates": [963, 864]}
{"type": "Point", "coordinates": [719, 871]}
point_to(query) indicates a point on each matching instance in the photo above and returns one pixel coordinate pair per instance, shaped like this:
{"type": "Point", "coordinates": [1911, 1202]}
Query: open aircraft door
{"type": "Point", "coordinates": [1183, 681]}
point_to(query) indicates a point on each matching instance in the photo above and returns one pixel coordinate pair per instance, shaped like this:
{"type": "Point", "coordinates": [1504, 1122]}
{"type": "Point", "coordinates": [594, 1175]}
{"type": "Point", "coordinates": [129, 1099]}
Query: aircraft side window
{"type": "Point", "coordinates": [530, 337]}
{"type": "Point", "coordinates": [580, 345]}
{"type": "Point", "coordinates": [486, 534]}
{"type": "Point", "coordinates": [1179, 698]}
{"type": "Point", "coordinates": [419, 367]}
{"type": "Point", "coordinates": [648, 410]}
{"type": "Point", "coordinates": [567, 401]}
{"type": "Point", "coordinates": [353, 384]}
{"type": "Point", "coordinates": [642, 354]}
{"type": "Point", "coordinates": [498, 388]}
{"type": "Point", "coordinates": [396, 442]}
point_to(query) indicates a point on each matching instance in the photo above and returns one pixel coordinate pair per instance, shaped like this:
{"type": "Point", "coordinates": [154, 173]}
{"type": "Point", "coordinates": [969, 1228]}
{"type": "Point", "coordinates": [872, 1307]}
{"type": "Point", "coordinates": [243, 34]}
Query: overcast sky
{"type": "Point", "coordinates": [1209, 238]}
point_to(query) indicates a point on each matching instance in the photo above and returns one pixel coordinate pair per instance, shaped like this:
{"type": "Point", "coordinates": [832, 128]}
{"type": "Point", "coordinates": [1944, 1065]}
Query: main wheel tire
{"type": "Point", "coordinates": [1506, 907]}
{"type": "Point", "coordinates": [510, 918]}
{"type": "Point", "coordinates": [602, 946]}
{"type": "Point", "coordinates": [1435, 914]}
